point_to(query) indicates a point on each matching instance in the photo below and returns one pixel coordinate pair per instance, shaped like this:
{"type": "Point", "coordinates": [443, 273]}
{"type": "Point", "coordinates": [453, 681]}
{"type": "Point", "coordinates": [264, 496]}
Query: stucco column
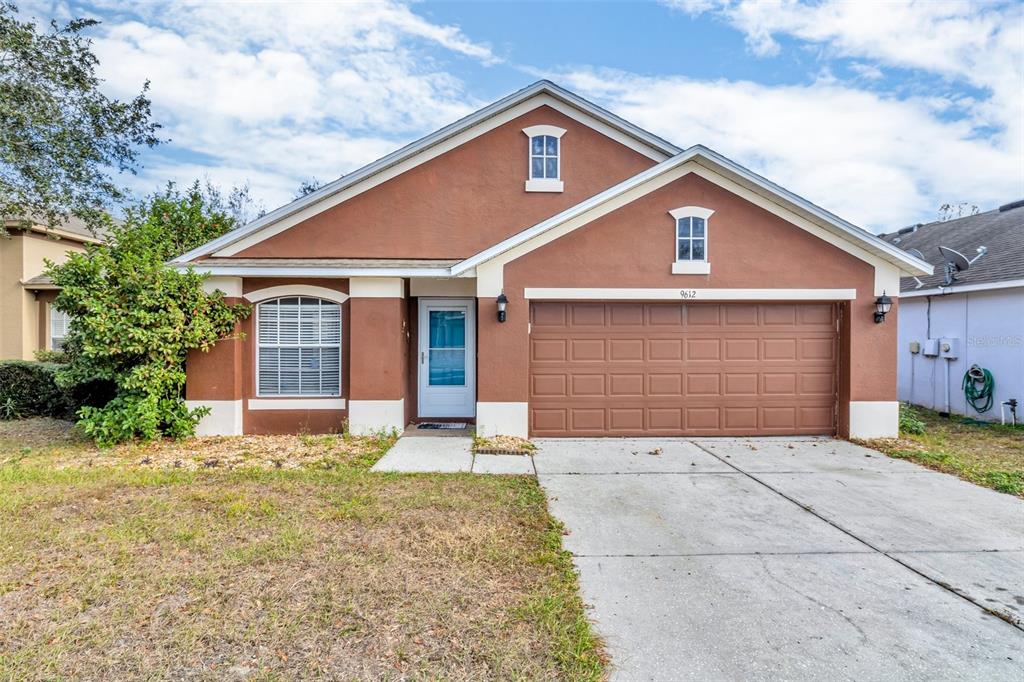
{"type": "Point", "coordinates": [215, 377]}
{"type": "Point", "coordinates": [503, 361]}
{"type": "Point", "coordinates": [868, 402]}
{"type": "Point", "coordinates": [378, 342]}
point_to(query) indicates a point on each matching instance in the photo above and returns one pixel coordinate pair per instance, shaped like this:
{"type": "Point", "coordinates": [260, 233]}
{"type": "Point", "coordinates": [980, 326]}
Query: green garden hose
{"type": "Point", "coordinates": [979, 388]}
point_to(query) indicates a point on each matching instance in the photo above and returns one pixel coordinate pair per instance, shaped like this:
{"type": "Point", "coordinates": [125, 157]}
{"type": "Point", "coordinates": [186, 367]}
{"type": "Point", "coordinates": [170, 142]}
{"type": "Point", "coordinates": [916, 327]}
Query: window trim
{"type": "Point", "coordinates": [543, 184]}
{"type": "Point", "coordinates": [691, 267]}
{"type": "Point", "coordinates": [256, 354]}
{"type": "Point", "coordinates": [51, 309]}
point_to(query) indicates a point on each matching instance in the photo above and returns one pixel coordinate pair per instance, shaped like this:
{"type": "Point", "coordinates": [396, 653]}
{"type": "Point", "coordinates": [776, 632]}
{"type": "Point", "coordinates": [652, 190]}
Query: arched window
{"type": "Point", "coordinates": [545, 158]}
{"type": "Point", "coordinates": [691, 242]}
{"type": "Point", "coordinates": [298, 347]}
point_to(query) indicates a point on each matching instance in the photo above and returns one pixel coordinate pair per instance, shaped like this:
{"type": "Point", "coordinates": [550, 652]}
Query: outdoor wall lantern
{"type": "Point", "coordinates": [883, 304]}
{"type": "Point", "coordinates": [502, 304]}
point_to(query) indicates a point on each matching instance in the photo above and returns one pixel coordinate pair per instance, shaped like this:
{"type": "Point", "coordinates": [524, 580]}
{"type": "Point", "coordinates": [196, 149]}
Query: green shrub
{"type": "Point", "coordinates": [29, 389]}
{"type": "Point", "coordinates": [910, 422]}
{"type": "Point", "coordinates": [58, 357]}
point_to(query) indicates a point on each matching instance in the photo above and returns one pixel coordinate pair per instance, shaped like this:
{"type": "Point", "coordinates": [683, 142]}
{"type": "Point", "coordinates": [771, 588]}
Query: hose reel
{"type": "Point", "coordinates": [979, 388]}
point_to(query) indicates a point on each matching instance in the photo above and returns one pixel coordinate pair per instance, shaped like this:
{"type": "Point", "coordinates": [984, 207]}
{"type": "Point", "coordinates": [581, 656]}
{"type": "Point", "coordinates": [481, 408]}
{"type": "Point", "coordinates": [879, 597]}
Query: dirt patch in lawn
{"type": "Point", "coordinates": [503, 445]}
{"type": "Point", "coordinates": [63, 445]}
{"type": "Point", "coordinates": [991, 455]}
{"type": "Point", "coordinates": [126, 572]}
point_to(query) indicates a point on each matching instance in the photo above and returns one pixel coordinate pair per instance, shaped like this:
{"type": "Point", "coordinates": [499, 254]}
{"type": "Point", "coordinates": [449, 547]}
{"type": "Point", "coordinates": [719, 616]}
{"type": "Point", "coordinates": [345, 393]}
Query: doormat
{"type": "Point", "coordinates": [441, 425]}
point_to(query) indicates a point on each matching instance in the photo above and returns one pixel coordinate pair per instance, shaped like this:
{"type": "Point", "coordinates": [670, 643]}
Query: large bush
{"type": "Point", "coordinates": [29, 389]}
{"type": "Point", "coordinates": [134, 319]}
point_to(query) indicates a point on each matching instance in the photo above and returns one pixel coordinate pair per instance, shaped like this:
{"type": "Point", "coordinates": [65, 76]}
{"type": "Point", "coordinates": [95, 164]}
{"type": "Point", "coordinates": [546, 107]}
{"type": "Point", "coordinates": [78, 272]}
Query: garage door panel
{"type": "Point", "coordinates": [626, 385]}
{"type": "Point", "coordinates": [664, 349]}
{"type": "Point", "coordinates": [703, 384]}
{"type": "Point", "coordinates": [584, 385]}
{"type": "Point", "coordinates": [549, 385]}
{"type": "Point", "coordinates": [682, 369]}
{"type": "Point", "coordinates": [586, 350]}
{"type": "Point", "coordinates": [548, 350]}
{"type": "Point", "coordinates": [626, 350]}
{"type": "Point", "coordinates": [584, 419]}
{"type": "Point", "coordinates": [703, 349]}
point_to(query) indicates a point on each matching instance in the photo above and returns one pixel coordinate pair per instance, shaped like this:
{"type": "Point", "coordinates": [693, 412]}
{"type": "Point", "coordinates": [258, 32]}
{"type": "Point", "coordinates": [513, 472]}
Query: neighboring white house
{"type": "Point", "coordinates": [977, 320]}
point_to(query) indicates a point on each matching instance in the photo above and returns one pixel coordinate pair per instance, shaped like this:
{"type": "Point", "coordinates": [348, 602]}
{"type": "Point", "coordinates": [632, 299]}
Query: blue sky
{"type": "Point", "coordinates": [879, 112]}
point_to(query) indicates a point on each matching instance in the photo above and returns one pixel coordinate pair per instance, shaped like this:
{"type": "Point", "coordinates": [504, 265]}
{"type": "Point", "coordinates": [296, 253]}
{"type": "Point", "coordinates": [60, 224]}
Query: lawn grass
{"type": "Point", "coordinates": [138, 568]}
{"type": "Point", "coordinates": [990, 455]}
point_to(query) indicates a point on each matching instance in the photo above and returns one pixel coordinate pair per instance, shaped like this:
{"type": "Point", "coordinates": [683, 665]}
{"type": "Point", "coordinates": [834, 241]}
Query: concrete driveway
{"type": "Point", "coordinates": [788, 559]}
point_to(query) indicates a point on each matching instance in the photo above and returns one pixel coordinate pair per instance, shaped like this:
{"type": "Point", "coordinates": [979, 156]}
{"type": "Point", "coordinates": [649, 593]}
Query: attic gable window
{"type": "Point", "coordinates": [691, 242]}
{"type": "Point", "coordinates": [544, 170]}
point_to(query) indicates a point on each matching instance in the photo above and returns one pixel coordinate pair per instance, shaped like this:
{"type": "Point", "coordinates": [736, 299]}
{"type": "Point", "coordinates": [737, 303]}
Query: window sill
{"type": "Point", "coordinates": [544, 185]}
{"type": "Point", "coordinates": [691, 268]}
{"type": "Point", "coordinates": [296, 403]}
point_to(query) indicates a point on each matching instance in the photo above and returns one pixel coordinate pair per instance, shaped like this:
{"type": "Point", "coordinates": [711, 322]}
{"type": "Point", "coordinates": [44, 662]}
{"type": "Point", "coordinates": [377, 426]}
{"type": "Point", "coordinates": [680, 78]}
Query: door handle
{"type": "Point", "coordinates": [423, 357]}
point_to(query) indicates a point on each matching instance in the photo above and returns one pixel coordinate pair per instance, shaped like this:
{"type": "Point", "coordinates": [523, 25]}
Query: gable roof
{"type": "Point", "coordinates": [732, 171]}
{"type": "Point", "coordinates": [1001, 230]}
{"type": "Point", "coordinates": [652, 145]}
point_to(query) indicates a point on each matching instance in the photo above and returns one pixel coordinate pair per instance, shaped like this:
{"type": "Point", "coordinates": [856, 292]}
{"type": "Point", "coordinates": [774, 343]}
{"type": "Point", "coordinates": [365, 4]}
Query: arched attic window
{"type": "Point", "coordinates": [691, 242]}
{"type": "Point", "coordinates": [544, 170]}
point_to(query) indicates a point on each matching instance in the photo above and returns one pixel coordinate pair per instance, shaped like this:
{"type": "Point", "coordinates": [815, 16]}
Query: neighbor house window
{"type": "Point", "coordinates": [298, 347]}
{"type": "Point", "coordinates": [59, 323]}
{"type": "Point", "coordinates": [691, 242]}
{"type": "Point", "coordinates": [545, 158]}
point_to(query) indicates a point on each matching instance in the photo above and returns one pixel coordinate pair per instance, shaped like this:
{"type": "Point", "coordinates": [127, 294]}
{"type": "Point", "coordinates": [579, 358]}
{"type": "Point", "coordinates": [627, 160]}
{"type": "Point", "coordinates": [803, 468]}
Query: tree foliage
{"type": "Point", "coordinates": [134, 319]}
{"type": "Point", "coordinates": [60, 136]}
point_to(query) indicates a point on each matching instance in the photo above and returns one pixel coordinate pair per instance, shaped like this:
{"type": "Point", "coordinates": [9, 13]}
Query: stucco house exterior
{"type": "Point", "coordinates": [980, 316]}
{"type": "Point", "coordinates": [543, 267]}
{"type": "Point", "coordinates": [28, 321]}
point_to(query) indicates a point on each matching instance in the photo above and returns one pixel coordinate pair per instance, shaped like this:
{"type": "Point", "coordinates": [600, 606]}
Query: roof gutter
{"type": "Point", "coordinates": [963, 288]}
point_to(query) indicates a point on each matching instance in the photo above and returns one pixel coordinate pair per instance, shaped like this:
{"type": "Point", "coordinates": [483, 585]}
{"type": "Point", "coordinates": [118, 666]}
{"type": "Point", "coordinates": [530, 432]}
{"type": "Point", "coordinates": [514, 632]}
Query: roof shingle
{"type": "Point", "coordinates": [1001, 231]}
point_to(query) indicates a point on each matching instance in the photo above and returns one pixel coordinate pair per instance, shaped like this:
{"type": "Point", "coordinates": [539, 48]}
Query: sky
{"type": "Point", "coordinates": [877, 111]}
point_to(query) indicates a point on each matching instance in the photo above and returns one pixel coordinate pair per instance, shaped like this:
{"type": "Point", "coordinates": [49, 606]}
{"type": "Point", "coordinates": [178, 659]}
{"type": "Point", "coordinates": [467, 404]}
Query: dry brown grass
{"type": "Point", "coordinates": [130, 570]}
{"type": "Point", "coordinates": [503, 445]}
{"type": "Point", "coordinates": [989, 455]}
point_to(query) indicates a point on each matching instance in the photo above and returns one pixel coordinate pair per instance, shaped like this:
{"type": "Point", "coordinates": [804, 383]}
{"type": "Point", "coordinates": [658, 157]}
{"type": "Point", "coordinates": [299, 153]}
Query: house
{"type": "Point", "coordinates": [976, 319]}
{"type": "Point", "coordinates": [543, 267]}
{"type": "Point", "coordinates": [28, 321]}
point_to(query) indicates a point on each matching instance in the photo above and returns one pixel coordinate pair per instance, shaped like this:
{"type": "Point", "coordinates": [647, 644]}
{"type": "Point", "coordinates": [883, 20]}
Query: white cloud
{"type": "Point", "coordinates": [878, 161]}
{"type": "Point", "coordinates": [275, 93]}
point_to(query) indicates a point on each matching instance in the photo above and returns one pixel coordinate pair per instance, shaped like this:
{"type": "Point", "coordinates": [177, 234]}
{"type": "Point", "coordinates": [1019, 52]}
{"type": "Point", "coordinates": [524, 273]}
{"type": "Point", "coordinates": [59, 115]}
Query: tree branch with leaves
{"type": "Point", "coordinates": [61, 137]}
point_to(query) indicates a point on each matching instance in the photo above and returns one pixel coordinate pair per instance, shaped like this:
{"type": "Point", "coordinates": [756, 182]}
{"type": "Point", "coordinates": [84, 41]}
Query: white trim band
{"type": "Point", "coordinates": [377, 287]}
{"type": "Point", "coordinates": [503, 419]}
{"type": "Point", "coordinates": [296, 403]}
{"type": "Point", "coordinates": [366, 417]}
{"type": "Point", "coordinates": [544, 185]}
{"type": "Point", "coordinates": [295, 290]}
{"type": "Point", "coordinates": [639, 294]}
{"type": "Point", "coordinates": [225, 418]}
{"type": "Point", "coordinates": [874, 419]}
{"type": "Point", "coordinates": [691, 267]}
{"type": "Point", "coordinates": [231, 287]}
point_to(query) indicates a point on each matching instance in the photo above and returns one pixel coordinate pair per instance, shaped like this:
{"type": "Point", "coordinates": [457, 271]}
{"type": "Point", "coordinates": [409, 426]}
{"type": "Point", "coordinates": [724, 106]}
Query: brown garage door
{"type": "Point", "coordinates": [622, 369]}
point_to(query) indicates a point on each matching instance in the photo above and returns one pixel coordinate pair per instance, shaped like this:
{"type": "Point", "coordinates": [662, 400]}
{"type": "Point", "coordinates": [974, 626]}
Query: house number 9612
{"type": "Point", "coordinates": [688, 293]}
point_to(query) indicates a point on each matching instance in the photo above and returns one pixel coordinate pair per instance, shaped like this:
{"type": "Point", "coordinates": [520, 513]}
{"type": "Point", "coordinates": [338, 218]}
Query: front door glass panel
{"type": "Point", "coordinates": [447, 349]}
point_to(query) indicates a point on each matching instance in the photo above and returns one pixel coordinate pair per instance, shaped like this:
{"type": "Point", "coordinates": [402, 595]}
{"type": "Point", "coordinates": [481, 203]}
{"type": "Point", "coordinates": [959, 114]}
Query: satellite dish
{"type": "Point", "coordinates": [958, 262]}
{"type": "Point", "coordinates": [916, 253]}
{"type": "Point", "coordinates": [955, 258]}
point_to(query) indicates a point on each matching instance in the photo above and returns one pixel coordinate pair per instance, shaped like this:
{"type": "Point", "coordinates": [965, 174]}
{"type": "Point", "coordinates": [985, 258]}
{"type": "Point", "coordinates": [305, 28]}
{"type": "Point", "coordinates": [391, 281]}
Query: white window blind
{"type": "Point", "coordinates": [59, 323]}
{"type": "Point", "coordinates": [299, 347]}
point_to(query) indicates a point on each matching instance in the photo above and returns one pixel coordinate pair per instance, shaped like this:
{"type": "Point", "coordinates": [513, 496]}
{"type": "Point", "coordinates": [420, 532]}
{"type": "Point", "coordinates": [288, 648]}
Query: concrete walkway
{"type": "Point", "coordinates": [788, 559]}
{"type": "Point", "coordinates": [429, 454]}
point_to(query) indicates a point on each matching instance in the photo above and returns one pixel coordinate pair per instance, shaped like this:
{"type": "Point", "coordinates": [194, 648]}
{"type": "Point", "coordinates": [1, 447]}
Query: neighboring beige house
{"type": "Point", "coordinates": [28, 321]}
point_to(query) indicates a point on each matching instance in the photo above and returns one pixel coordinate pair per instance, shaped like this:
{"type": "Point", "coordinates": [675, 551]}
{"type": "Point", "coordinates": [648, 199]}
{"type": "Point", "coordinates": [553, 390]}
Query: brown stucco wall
{"type": "Point", "coordinates": [228, 371]}
{"type": "Point", "coordinates": [633, 246]}
{"type": "Point", "coordinates": [462, 201]}
{"type": "Point", "coordinates": [379, 339]}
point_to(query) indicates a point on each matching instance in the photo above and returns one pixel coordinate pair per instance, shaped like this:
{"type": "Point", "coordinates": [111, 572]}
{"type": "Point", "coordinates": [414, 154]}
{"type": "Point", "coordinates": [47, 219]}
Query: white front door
{"type": "Point", "coordinates": [447, 357]}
